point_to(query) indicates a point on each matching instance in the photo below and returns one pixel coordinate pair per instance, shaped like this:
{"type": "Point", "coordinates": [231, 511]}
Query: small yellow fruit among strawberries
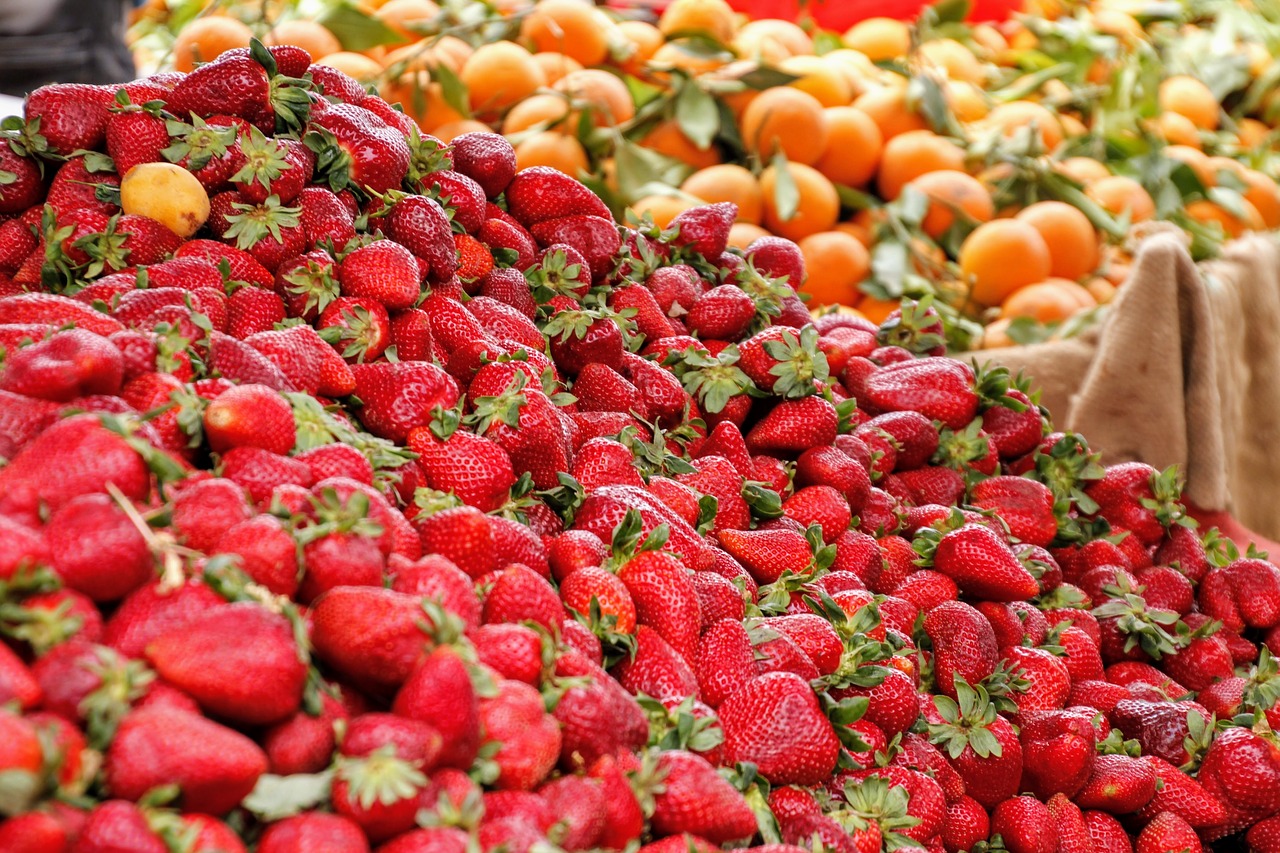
{"type": "Point", "coordinates": [166, 193]}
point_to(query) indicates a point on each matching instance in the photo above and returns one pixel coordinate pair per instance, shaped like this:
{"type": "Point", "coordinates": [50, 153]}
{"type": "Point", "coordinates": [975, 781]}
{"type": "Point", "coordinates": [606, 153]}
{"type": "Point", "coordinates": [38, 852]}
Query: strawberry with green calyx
{"type": "Point", "coordinates": [982, 746]}
{"type": "Point", "coordinates": [21, 175]}
{"type": "Point", "coordinates": [714, 381]}
{"type": "Point", "coordinates": [916, 326]}
{"type": "Point", "coordinates": [770, 554]}
{"type": "Point", "coordinates": [876, 814]}
{"type": "Point", "coordinates": [1140, 499]}
{"type": "Point", "coordinates": [46, 620]}
{"type": "Point", "coordinates": [269, 230]}
{"type": "Point", "coordinates": [309, 283]}
{"type": "Point", "coordinates": [1255, 693]}
{"type": "Point", "coordinates": [357, 149]}
{"type": "Point", "coordinates": [246, 84]}
{"type": "Point", "coordinates": [135, 133]}
{"type": "Point", "coordinates": [379, 792]}
{"type": "Point", "coordinates": [777, 708]}
{"type": "Point", "coordinates": [1133, 631]}
{"type": "Point", "coordinates": [278, 167]}
{"type": "Point", "coordinates": [358, 328]}
{"type": "Point", "coordinates": [692, 797]}
{"type": "Point", "coordinates": [523, 421]}
{"type": "Point", "coordinates": [978, 560]}
{"type": "Point", "coordinates": [784, 361]}
{"type": "Point", "coordinates": [968, 450]}
{"type": "Point", "coordinates": [207, 150]}
{"type": "Point", "coordinates": [559, 271]}
{"type": "Point", "coordinates": [794, 426]}
{"type": "Point", "coordinates": [582, 336]}
{"type": "Point", "coordinates": [21, 764]}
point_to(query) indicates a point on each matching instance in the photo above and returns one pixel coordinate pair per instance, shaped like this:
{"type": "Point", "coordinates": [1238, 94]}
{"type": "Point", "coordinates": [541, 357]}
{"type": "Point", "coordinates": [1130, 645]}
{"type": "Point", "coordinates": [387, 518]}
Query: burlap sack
{"type": "Point", "coordinates": [1184, 370]}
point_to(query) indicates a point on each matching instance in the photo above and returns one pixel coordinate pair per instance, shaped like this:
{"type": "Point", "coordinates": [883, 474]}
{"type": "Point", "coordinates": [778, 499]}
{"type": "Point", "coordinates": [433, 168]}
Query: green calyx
{"type": "Point", "coordinates": [255, 222]}
{"type": "Point", "coordinates": [966, 722]}
{"type": "Point", "coordinates": [198, 142]}
{"type": "Point", "coordinates": [380, 779]}
{"type": "Point", "coordinates": [266, 159]}
{"type": "Point", "coordinates": [917, 329]}
{"type": "Point", "coordinates": [711, 380]}
{"type": "Point", "coordinates": [800, 364]}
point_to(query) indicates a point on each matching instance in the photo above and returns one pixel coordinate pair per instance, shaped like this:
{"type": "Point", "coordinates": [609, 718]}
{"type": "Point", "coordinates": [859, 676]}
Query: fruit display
{"type": "Point", "coordinates": [905, 158]}
{"type": "Point", "coordinates": [364, 492]}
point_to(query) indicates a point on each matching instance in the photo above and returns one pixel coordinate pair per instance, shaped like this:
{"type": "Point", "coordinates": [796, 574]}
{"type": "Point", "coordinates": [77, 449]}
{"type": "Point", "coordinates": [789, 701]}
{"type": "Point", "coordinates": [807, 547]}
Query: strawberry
{"type": "Point", "coordinates": [245, 84]}
{"type": "Point", "coordinates": [963, 642]}
{"type": "Point", "coordinates": [240, 265]}
{"type": "Point", "coordinates": [135, 133]}
{"type": "Point", "coordinates": [526, 736]}
{"type": "Point", "coordinates": [439, 691]}
{"type": "Point", "coordinates": [982, 746]}
{"type": "Point", "coordinates": [250, 416]}
{"type": "Point", "coordinates": [95, 548]}
{"type": "Point", "coordinates": [314, 831]}
{"type": "Point", "coordinates": [70, 116]}
{"type": "Point", "coordinates": [271, 167]}
{"type": "Point", "coordinates": [520, 419]}
{"type": "Point", "coordinates": [55, 310]}
{"type": "Point", "coordinates": [475, 469]}
{"type": "Point", "coordinates": [379, 793]}
{"type": "Point", "coordinates": [965, 825]}
{"type": "Point", "coordinates": [155, 609]}
{"type": "Point", "coordinates": [325, 219]}
{"type": "Point", "coordinates": [239, 662]}
{"type": "Point", "coordinates": [595, 237]}
{"type": "Point", "coordinates": [214, 766]}
{"type": "Point", "coordinates": [579, 337]}
{"type": "Point", "coordinates": [358, 328]}
{"type": "Point", "coordinates": [383, 270]}
{"type": "Point", "coordinates": [34, 832]}
{"type": "Point", "coordinates": [541, 193]}
{"type": "Point", "coordinates": [72, 363]}
{"type": "Point", "coordinates": [519, 594]}
{"type": "Point", "coordinates": [1239, 770]}
{"type": "Point", "coordinates": [486, 158]}
{"type": "Point", "coordinates": [209, 150]}
{"type": "Point", "coordinates": [592, 587]}
{"type": "Point", "coordinates": [664, 598]}
{"type": "Point", "coordinates": [695, 799]}
{"type": "Point", "coordinates": [1138, 498]}
{"type": "Point", "coordinates": [118, 825]}
{"type": "Point", "coordinates": [1167, 831]}
{"type": "Point", "coordinates": [793, 426]}
{"type": "Point", "coordinates": [356, 148]}
{"type": "Point", "coordinates": [267, 552]}
{"type": "Point", "coordinates": [23, 179]}
{"type": "Point", "coordinates": [1058, 749]}
{"type": "Point", "coordinates": [260, 472]}
{"type": "Point", "coordinates": [773, 709]}
{"type": "Point", "coordinates": [396, 397]}
{"type": "Point", "coordinates": [75, 187]}
{"type": "Point", "coordinates": [777, 257]}
{"type": "Point", "coordinates": [981, 564]}
{"type": "Point", "coordinates": [307, 361]}
{"type": "Point", "coordinates": [656, 669]}
{"type": "Point", "coordinates": [722, 312]}
{"type": "Point", "coordinates": [269, 230]}
{"type": "Point", "coordinates": [937, 388]}
{"type": "Point", "coordinates": [1026, 826]}
{"type": "Point", "coordinates": [462, 197]}
{"type": "Point", "coordinates": [1119, 784]}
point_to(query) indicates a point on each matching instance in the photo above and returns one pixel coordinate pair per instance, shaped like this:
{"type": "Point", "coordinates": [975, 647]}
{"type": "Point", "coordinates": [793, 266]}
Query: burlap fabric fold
{"type": "Point", "coordinates": [1184, 370]}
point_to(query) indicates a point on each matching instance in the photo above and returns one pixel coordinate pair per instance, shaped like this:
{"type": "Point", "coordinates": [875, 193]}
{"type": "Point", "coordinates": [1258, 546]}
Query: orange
{"type": "Point", "coordinates": [877, 310]}
{"type": "Point", "coordinates": [785, 119]}
{"type": "Point", "coordinates": [667, 138]}
{"type": "Point", "coordinates": [967, 101]}
{"type": "Point", "coordinates": [1120, 24]}
{"type": "Point", "coordinates": [1048, 301]}
{"type": "Point", "coordinates": [451, 51]}
{"type": "Point", "coordinates": [853, 147]}
{"type": "Point", "coordinates": [540, 108]}
{"type": "Point", "coordinates": [860, 72]}
{"type": "Point", "coordinates": [1070, 236]}
{"type": "Point", "coordinates": [308, 35]}
{"type": "Point", "coordinates": [571, 27]}
{"type": "Point", "coordinates": [1100, 289]}
{"type": "Point", "coordinates": [645, 40]}
{"type": "Point", "coordinates": [710, 17]}
{"type": "Point", "coordinates": [556, 150]}
{"type": "Point", "coordinates": [790, 36]}
{"type": "Point", "coordinates": [1072, 127]}
{"type": "Point", "coordinates": [835, 263]}
{"type": "Point", "coordinates": [606, 95]}
{"type": "Point", "coordinates": [955, 59]}
{"type": "Point", "coordinates": [1177, 129]}
{"type": "Point", "coordinates": [879, 38]}
{"type": "Point", "coordinates": [949, 191]}
{"type": "Point", "coordinates": [452, 130]}
{"type": "Point", "coordinates": [1263, 193]}
{"type": "Point", "coordinates": [996, 335]}
{"type": "Point", "coordinates": [743, 234]}
{"type": "Point", "coordinates": [1001, 256]}
{"type": "Point", "coordinates": [356, 65]}
{"type": "Point", "coordinates": [1083, 170]}
{"type": "Point", "coordinates": [1189, 97]}
{"type": "Point", "coordinates": [859, 232]}
{"type": "Point", "coordinates": [673, 54]}
{"type": "Point", "coordinates": [818, 207]}
{"type": "Point", "coordinates": [1232, 225]}
{"type": "Point", "coordinates": [662, 208]}
{"type": "Point", "coordinates": [1196, 159]}
{"type": "Point", "coordinates": [728, 182]}
{"type": "Point", "coordinates": [820, 78]}
{"type": "Point", "coordinates": [207, 38]}
{"type": "Point", "coordinates": [989, 40]}
{"type": "Point", "coordinates": [1013, 116]}
{"type": "Point", "coordinates": [1118, 194]}
{"type": "Point", "coordinates": [410, 91]}
{"type": "Point", "coordinates": [1251, 132]}
{"type": "Point", "coordinates": [499, 75]}
{"type": "Point", "coordinates": [760, 48]}
{"type": "Point", "coordinates": [888, 108]}
{"type": "Point", "coordinates": [912, 154]}
{"type": "Point", "coordinates": [556, 66]}
{"type": "Point", "coordinates": [409, 18]}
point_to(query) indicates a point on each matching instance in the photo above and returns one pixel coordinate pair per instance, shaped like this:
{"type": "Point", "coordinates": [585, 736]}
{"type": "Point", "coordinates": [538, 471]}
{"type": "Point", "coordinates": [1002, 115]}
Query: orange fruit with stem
{"type": "Point", "coordinates": [912, 154]}
{"type": "Point", "coordinates": [853, 148]}
{"type": "Point", "coordinates": [728, 182]}
{"type": "Point", "coordinates": [816, 203]}
{"type": "Point", "coordinates": [645, 40]}
{"type": "Point", "coordinates": [950, 191]}
{"type": "Point", "coordinates": [1014, 116]}
{"type": "Point", "coordinates": [499, 75]}
{"type": "Point", "coordinates": [604, 93]}
{"type": "Point", "coordinates": [556, 150]}
{"type": "Point", "coordinates": [1188, 97]}
{"type": "Point", "coordinates": [1233, 224]}
{"type": "Point", "coordinates": [835, 263]}
{"type": "Point", "coordinates": [1263, 193]}
{"type": "Point", "coordinates": [1070, 236]}
{"type": "Point", "coordinates": [1083, 170]}
{"type": "Point", "coordinates": [571, 27]}
{"type": "Point", "coordinates": [409, 18]}
{"type": "Point", "coordinates": [710, 17]}
{"type": "Point", "coordinates": [888, 108]}
{"type": "Point", "coordinates": [1001, 256]}
{"type": "Point", "coordinates": [556, 66]}
{"type": "Point", "coordinates": [1049, 301]}
{"type": "Point", "coordinates": [542, 108]}
{"type": "Point", "coordinates": [820, 78]}
{"type": "Point", "coordinates": [668, 139]}
{"type": "Point", "coordinates": [206, 38]}
{"type": "Point", "coordinates": [787, 120]}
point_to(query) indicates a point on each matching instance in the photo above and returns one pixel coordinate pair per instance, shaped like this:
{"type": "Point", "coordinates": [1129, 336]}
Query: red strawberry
{"type": "Point", "coordinates": [774, 709]}
{"type": "Point", "coordinates": [793, 426]}
{"type": "Point", "coordinates": [396, 397]}
{"type": "Point", "coordinates": [518, 594]}
{"type": "Point", "coordinates": [596, 237]}
{"type": "Point", "coordinates": [214, 767]}
{"type": "Point", "coordinates": [75, 187]}
{"type": "Point", "coordinates": [982, 746]}
{"type": "Point", "coordinates": [314, 831]}
{"type": "Point", "coordinates": [1125, 496]}
{"type": "Point", "coordinates": [267, 552]}
{"type": "Point", "coordinates": [135, 133]}
{"type": "Point", "coordinates": [372, 635]}
{"type": "Point", "coordinates": [938, 388]}
{"type": "Point", "coordinates": [272, 167]}
{"type": "Point", "coordinates": [472, 467]}
{"type": "Point", "coordinates": [459, 195]}
{"type": "Point", "coordinates": [383, 270]}
{"type": "Point", "coordinates": [541, 193]}
{"type": "Point", "coordinates": [245, 84]}
{"type": "Point", "coordinates": [665, 599]}
{"type": "Point", "coordinates": [656, 669]}
{"type": "Point", "coordinates": [963, 644]}
{"type": "Point", "coordinates": [1058, 749]}
{"type": "Point", "coordinates": [527, 737]}
{"type": "Point", "coordinates": [420, 224]}
{"type": "Point", "coordinates": [1026, 826]}
{"type": "Point", "coordinates": [250, 416]}
{"type": "Point", "coordinates": [722, 312]}
{"type": "Point", "coordinates": [705, 229]}
{"type": "Point", "coordinates": [697, 800]}
{"type": "Point", "coordinates": [70, 364]}
{"type": "Point", "coordinates": [982, 565]}
{"type": "Point", "coordinates": [96, 549]}
{"type": "Point", "coordinates": [486, 158]}
{"type": "Point", "coordinates": [439, 691]}
{"type": "Point", "coordinates": [1119, 784]}
{"type": "Point", "coordinates": [358, 149]}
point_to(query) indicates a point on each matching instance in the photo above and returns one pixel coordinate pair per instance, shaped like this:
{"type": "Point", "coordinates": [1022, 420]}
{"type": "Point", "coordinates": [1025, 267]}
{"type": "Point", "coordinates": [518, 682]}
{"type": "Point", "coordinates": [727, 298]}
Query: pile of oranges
{"type": "Point", "coordinates": [1001, 167]}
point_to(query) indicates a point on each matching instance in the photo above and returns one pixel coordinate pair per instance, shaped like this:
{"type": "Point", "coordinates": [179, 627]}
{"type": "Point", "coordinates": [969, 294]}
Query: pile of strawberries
{"type": "Point", "coordinates": [414, 504]}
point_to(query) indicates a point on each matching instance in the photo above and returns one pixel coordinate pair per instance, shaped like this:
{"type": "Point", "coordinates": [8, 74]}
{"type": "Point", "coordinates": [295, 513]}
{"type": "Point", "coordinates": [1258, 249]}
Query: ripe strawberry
{"type": "Point", "coordinates": [937, 388]}
{"type": "Point", "coordinates": [251, 310]}
{"type": "Point", "coordinates": [664, 598]}
{"type": "Point", "coordinates": [541, 193]}
{"type": "Point", "coordinates": [26, 187]}
{"type": "Point", "coordinates": [963, 644]}
{"type": "Point", "coordinates": [1119, 784]}
{"type": "Point", "coordinates": [135, 133]}
{"type": "Point", "coordinates": [379, 793]}
{"type": "Point", "coordinates": [374, 636]}
{"type": "Point", "coordinates": [773, 709]}
{"type": "Point", "coordinates": [486, 158]}
{"type": "Point", "coordinates": [596, 237]}
{"type": "Point", "coordinates": [356, 148]}
{"type": "Point", "coordinates": [656, 669]}
{"type": "Point", "coordinates": [383, 270]}
{"type": "Point", "coordinates": [982, 565]}
{"type": "Point", "coordinates": [1167, 831]}
{"type": "Point", "coordinates": [527, 737]}
{"type": "Point", "coordinates": [269, 230]}
{"type": "Point", "coordinates": [439, 691]}
{"type": "Point", "coordinates": [475, 469]}
{"type": "Point", "coordinates": [75, 187]}
{"type": "Point", "coordinates": [396, 397]}
{"type": "Point", "coordinates": [965, 825]}
{"type": "Point", "coordinates": [209, 150]}
{"type": "Point", "coordinates": [591, 586]}
{"type": "Point", "coordinates": [95, 549]}
{"type": "Point", "coordinates": [793, 426]}
{"type": "Point", "coordinates": [982, 746]}
{"type": "Point", "coordinates": [459, 195]}
{"type": "Point", "coordinates": [314, 831]}
{"type": "Point", "coordinates": [1058, 749]}
{"type": "Point", "coordinates": [695, 799]}
{"type": "Point", "coordinates": [267, 167]}
{"type": "Point", "coordinates": [239, 662]}
{"type": "Point", "coordinates": [1026, 826]}
{"type": "Point", "coordinates": [246, 84]}
{"type": "Point", "coordinates": [214, 767]}
{"type": "Point", "coordinates": [1125, 495]}
{"type": "Point", "coordinates": [474, 260]}
{"type": "Point", "coordinates": [1240, 769]}
{"type": "Point", "coordinates": [777, 257]}
{"type": "Point", "coordinates": [72, 363]}
{"type": "Point", "coordinates": [518, 594]}
{"type": "Point", "coordinates": [250, 416]}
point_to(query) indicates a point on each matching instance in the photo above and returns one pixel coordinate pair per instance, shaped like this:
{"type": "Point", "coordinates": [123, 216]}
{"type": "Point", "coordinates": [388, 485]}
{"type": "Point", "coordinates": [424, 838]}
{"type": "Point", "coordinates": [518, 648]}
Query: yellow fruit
{"type": "Point", "coordinates": [879, 38]}
{"type": "Point", "coordinates": [539, 109]}
{"type": "Point", "coordinates": [712, 17]}
{"type": "Point", "coordinates": [955, 59]}
{"type": "Point", "coordinates": [556, 66]}
{"type": "Point", "coordinates": [167, 193]}
{"type": "Point", "coordinates": [790, 36]}
{"type": "Point", "coordinates": [728, 182]}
